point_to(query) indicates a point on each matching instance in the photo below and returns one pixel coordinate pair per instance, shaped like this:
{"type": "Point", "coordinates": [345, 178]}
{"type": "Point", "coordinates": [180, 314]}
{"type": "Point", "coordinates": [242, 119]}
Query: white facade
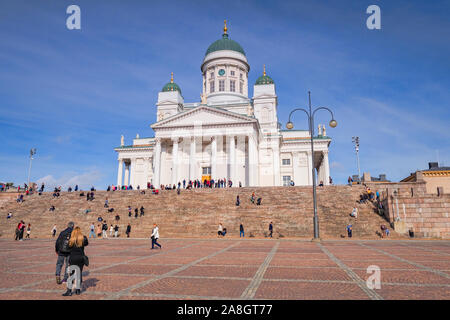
{"type": "Point", "coordinates": [227, 135]}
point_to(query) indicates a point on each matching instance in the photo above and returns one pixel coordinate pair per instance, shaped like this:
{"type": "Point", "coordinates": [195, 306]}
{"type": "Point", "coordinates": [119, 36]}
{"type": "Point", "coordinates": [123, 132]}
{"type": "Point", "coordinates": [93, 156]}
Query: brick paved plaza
{"type": "Point", "coordinates": [232, 269]}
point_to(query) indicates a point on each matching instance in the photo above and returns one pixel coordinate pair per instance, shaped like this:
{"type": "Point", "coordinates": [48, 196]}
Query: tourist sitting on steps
{"type": "Point", "coordinates": [354, 213]}
{"type": "Point", "coordinates": [238, 202]}
{"type": "Point", "coordinates": [219, 230]}
{"type": "Point", "coordinates": [349, 230]}
{"type": "Point", "coordinates": [258, 202]}
{"type": "Point", "coordinates": [110, 209]}
{"type": "Point", "coordinates": [9, 215]}
{"type": "Point", "coordinates": [52, 208]}
{"type": "Point", "coordinates": [321, 184]}
{"type": "Point", "coordinates": [253, 198]}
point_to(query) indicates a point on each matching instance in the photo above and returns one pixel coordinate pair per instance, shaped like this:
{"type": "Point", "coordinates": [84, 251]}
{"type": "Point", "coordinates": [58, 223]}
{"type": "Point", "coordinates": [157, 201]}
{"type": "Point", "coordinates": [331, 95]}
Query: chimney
{"type": "Point", "coordinates": [432, 165]}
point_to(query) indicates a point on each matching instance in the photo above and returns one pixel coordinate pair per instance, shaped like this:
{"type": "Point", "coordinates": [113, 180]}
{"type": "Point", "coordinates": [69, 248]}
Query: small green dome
{"type": "Point", "coordinates": [264, 79]}
{"type": "Point", "coordinates": [171, 86]}
{"type": "Point", "coordinates": [225, 44]}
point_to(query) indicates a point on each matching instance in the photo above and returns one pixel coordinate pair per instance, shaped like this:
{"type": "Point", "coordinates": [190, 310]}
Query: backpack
{"type": "Point", "coordinates": [65, 245]}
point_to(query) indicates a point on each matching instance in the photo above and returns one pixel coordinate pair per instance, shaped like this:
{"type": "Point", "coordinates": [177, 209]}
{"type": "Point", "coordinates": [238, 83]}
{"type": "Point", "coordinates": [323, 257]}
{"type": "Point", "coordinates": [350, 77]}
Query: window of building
{"type": "Point", "coordinates": [286, 181]}
{"type": "Point", "coordinates": [211, 75]}
{"type": "Point", "coordinates": [286, 162]}
{"type": "Point", "coordinates": [241, 87]}
{"type": "Point", "coordinates": [206, 170]}
{"type": "Point", "coordinates": [240, 76]}
{"type": "Point", "coordinates": [221, 85]}
{"type": "Point", "coordinates": [232, 85]}
{"type": "Point", "coordinates": [232, 73]}
{"type": "Point", "coordinates": [211, 86]}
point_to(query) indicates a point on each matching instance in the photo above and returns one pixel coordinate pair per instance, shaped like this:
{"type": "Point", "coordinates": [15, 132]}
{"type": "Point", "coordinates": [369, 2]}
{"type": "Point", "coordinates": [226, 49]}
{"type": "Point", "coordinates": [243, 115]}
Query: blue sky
{"type": "Point", "coordinates": [72, 93]}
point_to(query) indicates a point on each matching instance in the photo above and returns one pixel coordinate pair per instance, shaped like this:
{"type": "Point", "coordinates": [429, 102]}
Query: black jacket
{"type": "Point", "coordinates": [77, 253]}
{"type": "Point", "coordinates": [60, 240]}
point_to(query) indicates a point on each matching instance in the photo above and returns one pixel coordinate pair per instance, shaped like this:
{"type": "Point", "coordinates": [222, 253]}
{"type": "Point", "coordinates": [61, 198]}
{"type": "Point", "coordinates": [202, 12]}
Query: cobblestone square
{"type": "Point", "coordinates": [230, 269]}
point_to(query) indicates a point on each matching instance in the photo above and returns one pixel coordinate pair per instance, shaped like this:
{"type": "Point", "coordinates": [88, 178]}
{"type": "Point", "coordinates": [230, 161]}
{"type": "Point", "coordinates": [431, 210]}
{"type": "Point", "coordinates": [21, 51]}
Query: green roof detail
{"type": "Point", "coordinates": [171, 86]}
{"type": "Point", "coordinates": [225, 44]}
{"type": "Point", "coordinates": [264, 79]}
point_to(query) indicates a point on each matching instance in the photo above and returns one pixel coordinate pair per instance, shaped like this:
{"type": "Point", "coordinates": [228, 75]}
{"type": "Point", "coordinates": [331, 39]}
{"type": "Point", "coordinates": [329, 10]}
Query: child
{"type": "Point", "coordinates": [28, 231]}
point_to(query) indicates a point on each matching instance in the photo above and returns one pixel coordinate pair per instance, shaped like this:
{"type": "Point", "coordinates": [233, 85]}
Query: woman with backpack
{"type": "Point", "coordinates": [77, 257]}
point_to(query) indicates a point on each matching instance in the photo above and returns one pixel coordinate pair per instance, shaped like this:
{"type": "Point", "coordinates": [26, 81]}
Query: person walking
{"type": "Point", "coordinates": [270, 229]}
{"type": "Point", "coordinates": [62, 251]}
{"type": "Point", "coordinates": [155, 237]}
{"type": "Point", "coordinates": [129, 211]}
{"type": "Point", "coordinates": [136, 212]}
{"type": "Point", "coordinates": [142, 211]}
{"type": "Point", "coordinates": [116, 231]}
{"type": "Point", "coordinates": [241, 231]}
{"type": "Point", "coordinates": [28, 231]}
{"type": "Point", "coordinates": [92, 230]}
{"type": "Point", "coordinates": [111, 229]}
{"type": "Point", "coordinates": [54, 231]}
{"type": "Point", "coordinates": [128, 230]}
{"type": "Point", "coordinates": [77, 242]}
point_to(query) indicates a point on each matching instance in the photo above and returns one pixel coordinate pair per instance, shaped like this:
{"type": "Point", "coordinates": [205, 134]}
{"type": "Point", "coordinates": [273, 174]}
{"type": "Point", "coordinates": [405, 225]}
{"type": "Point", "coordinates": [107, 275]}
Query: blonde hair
{"type": "Point", "coordinates": [76, 238]}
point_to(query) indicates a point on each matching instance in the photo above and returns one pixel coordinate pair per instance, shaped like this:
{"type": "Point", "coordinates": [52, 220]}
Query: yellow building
{"type": "Point", "coordinates": [435, 177]}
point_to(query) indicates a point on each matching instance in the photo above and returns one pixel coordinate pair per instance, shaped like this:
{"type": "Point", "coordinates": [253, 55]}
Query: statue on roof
{"type": "Point", "coordinates": [121, 141]}
{"type": "Point", "coordinates": [324, 133]}
{"type": "Point", "coordinates": [203, 98]}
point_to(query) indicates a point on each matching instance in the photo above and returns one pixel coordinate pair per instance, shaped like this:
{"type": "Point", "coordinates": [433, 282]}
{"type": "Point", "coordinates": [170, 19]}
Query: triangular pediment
{"type": "Point", "coordinates": [204, 115]}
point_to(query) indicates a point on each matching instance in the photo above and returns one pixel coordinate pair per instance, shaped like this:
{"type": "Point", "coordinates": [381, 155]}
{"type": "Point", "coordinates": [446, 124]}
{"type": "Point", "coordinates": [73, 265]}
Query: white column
{"type": "Point", "coordinates": [120, 173]}
{"type": "Point", "coordinates": [175, 161]}
{"type": "Point", "coordinates": [310, 166]}
{"type": "Point", "coordinates": [214, 159]}
{"type": "Point", "coordinates": [296, 178]}
{"type": "Point", "coordinates": [192, 160]}
{"type": "Point", "coordinates": [326, 168]}
{"type": "Point", "coordinates": [133, 173]}
{"type": "Point", "coordinates": [145, 178]}
{"type": "Point", "coordinates": [276, 164]}
{"type": "Point", "coordinates": [252, 159]}
{"type": "Point", "coordinates": [232, 158]}
{"type": "Point", "coordinates": [157, 164]}
{"type": "Point", "coordinates": [127, 173]}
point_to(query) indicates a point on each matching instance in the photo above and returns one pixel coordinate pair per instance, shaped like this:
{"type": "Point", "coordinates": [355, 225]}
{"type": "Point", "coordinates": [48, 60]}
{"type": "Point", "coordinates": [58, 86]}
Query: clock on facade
{"type": "Point", "coordinates": [221, 72]}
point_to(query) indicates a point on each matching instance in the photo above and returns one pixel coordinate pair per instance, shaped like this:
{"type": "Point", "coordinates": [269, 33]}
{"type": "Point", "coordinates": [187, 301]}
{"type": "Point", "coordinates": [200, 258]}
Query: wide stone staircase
{"type": "Point", "coordinates": [197, 212]}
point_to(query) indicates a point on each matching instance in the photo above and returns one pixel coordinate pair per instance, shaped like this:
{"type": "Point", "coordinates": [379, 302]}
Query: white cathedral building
{"type": "Point", "coordinates": [225, 136]}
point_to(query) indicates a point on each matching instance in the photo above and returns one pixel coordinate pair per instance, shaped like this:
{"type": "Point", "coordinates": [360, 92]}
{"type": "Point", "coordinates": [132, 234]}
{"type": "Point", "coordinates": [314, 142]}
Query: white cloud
{"type": "Point", "coordinates": [84, 180]}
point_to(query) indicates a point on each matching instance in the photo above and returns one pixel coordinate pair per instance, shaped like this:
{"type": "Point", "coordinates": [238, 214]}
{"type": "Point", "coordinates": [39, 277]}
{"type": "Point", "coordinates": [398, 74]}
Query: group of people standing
{"type": "Point", "coordinates": [20, 230]}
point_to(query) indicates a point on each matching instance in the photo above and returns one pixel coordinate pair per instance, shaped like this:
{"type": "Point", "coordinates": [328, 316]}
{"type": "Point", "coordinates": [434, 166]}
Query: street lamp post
{"type": "Point", "coordinates": [333, 124]}
{"type": "Point", "coordinates": [32, 152]}
{"type": "Point", "coordinates": [355, 140]}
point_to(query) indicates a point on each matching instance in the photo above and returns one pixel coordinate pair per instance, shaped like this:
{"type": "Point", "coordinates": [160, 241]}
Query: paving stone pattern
{"type": "Point", "coordinates": [227, 269]}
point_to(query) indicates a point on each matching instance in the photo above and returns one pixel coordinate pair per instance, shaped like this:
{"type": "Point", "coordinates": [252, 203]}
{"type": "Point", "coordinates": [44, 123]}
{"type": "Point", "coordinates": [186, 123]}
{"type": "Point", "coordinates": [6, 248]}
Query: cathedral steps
{"type": "Point", "coordinates": [197, 213]}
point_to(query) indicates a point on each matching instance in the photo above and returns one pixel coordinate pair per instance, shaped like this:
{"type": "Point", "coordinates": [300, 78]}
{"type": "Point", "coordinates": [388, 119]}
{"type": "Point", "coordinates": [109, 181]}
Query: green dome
{"type": "Point", "coordinates": [171, 86]}
{"type": "Point", "coordinates": [225, 44]}
{"type": "Point", "coordinates": [264, 80]}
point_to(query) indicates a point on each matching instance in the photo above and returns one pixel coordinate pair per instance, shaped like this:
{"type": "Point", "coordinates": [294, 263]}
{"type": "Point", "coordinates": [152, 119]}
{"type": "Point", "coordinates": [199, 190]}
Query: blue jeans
{"type": "Point", "coordinates": [154, 242]}
{"type": "Point", "coordinates": [241, 233]}
{"type": "Point", "coordinates": [92, 233]}
{"type": "Point", "coordinates": [59, 264]}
